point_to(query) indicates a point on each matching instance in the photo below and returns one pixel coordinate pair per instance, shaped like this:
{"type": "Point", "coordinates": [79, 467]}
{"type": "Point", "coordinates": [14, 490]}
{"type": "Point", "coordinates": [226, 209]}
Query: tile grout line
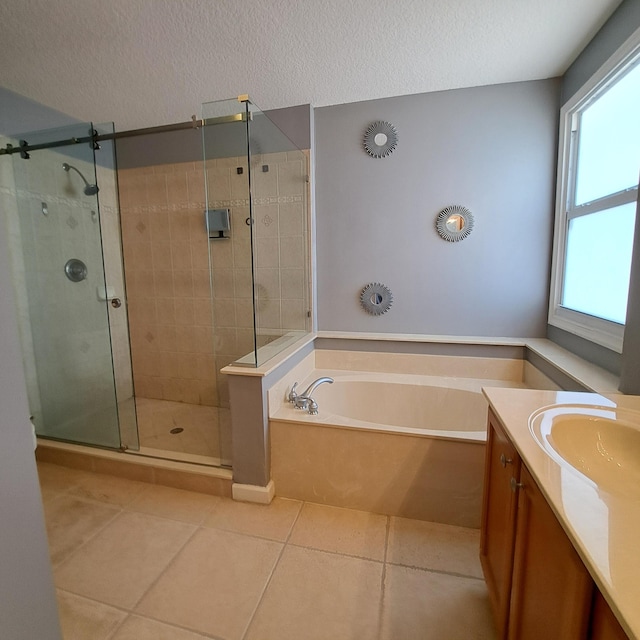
{"type": "Point", "coordinates": [336, 553]}
{"type": "Point", "coordinates": [130, 509]}
{"type": "Point", "coordinates": [119, 510]}
{"type": "Point", "coordinates": [58, 566]}
{"type": "Point", "coordinates": [383, 577]}
{"type": "Point", "coordinates": [92, 599]}
{"type": "Point", "coordinates": [273, 570]}
{"type": "Point", "coordinates": [132, 609]}
{"type": "Point", "coordinates": [196, 528]}
{"type": "Point", "coordinates": [171, 625]}
{"type": "Point", "coordinates": [438, 571]}
{"type": "Point", "coordinates": [119, 625]}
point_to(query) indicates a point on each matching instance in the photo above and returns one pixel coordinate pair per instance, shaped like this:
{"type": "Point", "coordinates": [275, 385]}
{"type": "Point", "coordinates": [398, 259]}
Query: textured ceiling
{"type": "Point", "coordinates": [148, 62]}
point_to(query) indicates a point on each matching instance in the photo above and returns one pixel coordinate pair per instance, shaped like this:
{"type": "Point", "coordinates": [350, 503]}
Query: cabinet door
{"type": "Point", "coordinates": [502, 463]}
{"type": "Point", "coordinates": [551, 590]}
{"type": "Point", "coordinates": [604, 625]}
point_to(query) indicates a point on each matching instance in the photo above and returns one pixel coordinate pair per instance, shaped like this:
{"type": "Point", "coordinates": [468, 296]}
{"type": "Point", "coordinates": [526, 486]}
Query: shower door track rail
{"type": "Point", "coordinates": [94, 138]}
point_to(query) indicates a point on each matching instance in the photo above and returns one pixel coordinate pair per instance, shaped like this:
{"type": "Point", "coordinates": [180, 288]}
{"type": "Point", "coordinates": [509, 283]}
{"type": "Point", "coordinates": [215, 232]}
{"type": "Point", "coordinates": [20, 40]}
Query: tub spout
{"type": "Point", "coordinates": [315, 384]}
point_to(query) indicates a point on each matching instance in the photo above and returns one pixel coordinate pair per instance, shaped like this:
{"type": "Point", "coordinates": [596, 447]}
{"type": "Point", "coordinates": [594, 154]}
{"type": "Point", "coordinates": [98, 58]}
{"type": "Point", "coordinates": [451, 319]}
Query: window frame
{"type": "Point", "coordinates": [603, 332]}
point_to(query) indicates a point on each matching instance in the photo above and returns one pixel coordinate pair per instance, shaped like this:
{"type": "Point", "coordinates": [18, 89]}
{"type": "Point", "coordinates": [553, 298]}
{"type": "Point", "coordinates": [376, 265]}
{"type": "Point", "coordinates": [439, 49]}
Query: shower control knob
{"type": "Point", "coordinates": [116, 303]}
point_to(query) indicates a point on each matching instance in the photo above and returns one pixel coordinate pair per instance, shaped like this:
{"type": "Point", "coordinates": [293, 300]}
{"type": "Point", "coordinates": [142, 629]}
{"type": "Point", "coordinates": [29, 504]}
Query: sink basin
{"type": "Point", "coordinates": [601, 443]}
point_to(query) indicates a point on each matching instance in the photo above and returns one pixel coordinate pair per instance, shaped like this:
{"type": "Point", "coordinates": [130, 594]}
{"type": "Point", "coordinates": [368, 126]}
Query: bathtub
{"type": "Point", "coordinates": [429, 406]}
{"type": "Point", "coordinates": [401, 444]}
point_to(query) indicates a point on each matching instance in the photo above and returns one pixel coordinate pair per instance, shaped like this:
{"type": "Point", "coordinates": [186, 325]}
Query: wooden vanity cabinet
{"type": "Point", "coordinates": [497, 536]}
{"type": "Point", "coordinates": [551, 590]}
{"type": "Point", "coordinates": [604, 625]}
{"type": "Point", "coordinates": [539, 587]}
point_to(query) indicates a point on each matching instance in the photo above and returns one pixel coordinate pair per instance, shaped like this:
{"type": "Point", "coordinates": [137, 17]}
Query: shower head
{"type": "Point", "coordinates": [89, 189]}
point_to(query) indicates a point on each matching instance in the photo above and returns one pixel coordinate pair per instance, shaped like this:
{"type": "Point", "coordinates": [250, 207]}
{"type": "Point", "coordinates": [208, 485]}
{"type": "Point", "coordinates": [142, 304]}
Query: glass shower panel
{"type": "Point", "coordinates": [230, 251]}
{"type": "Point", "coordinates": [115, 292]}
{"type": "Point", "coordinates": [260, 265]}
{"type": "Point", "coordinates": [278, 175]}
{"type": "Point", "coordinates": [62, 293]}
{"type": "Point", "coordinates": [228, 226]}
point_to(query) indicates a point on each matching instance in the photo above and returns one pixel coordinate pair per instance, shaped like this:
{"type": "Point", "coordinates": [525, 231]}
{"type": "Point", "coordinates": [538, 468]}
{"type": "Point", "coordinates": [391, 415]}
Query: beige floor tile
{"type": "Point", "coordinates": [317, 595]}
{"type": "Point", "coordinates": [422, 605]}
{"type": "Point", "coordinates": [109, 489]}
{"type": "Point", "coordinates": [83, 619]}
{"type": "Point", "coordinates": [355, 533]}
{"type": "Point", "coordinates": [214, 584]}
{"type": "Point", "coordinates": [71, 522]}
{"type": "Point", "coordinates": [137, 628]}
{"type": "Point", "coordinates": [119, 564]}
{"type": "Point", "coordinates": [57, 479]}
{"type": "Point", "coordinates": [431, 545]}
{"type": "Point", "coordinates": [167, 502]}
{"type": "Point", "coordinates": [273, 521]}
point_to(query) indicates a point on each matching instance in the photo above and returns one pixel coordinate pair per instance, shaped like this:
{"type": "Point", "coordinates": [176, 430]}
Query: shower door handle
{"type": "Point", "coordinates": [116, 303]}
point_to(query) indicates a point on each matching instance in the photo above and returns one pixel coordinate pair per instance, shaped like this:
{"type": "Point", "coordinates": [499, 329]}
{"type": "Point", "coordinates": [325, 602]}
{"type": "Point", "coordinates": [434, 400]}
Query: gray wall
{"type": "Point", "coordinates": [491, 149]}
{"type": "Point", "coordinates": [21, 115]}
{"type": "Point", "coordinates": [620, 26]}
{"type": "Point", "coordinates": [630, 374]}
{"type": "Point", "coordinates": [27, 600]}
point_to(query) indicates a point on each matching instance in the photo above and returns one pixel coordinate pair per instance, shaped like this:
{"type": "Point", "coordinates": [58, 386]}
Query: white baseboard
{"type": "Point", "coordinates": [253, 492]}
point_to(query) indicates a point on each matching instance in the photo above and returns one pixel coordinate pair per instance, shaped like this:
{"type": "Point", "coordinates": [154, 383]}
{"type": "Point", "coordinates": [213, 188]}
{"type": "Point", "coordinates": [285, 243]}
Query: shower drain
{"type": "Point", "coordinates": [176, 430]}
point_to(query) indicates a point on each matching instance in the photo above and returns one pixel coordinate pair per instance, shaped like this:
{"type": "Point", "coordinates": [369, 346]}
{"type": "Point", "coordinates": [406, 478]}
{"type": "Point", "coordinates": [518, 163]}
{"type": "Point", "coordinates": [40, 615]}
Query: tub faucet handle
{"type": "Point", "coordinates": [293, 394]}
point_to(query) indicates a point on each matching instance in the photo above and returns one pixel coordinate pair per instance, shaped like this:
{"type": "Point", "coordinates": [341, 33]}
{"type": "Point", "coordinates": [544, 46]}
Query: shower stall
{"type": "Point", "coordinates": [140, 273]}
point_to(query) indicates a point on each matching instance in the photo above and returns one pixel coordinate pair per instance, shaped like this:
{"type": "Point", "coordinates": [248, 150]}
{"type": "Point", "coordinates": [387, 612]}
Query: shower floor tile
{"type": "Point", "coordinates": [204, 431]}
{"type": "Point", "coordinates": [177, 565]}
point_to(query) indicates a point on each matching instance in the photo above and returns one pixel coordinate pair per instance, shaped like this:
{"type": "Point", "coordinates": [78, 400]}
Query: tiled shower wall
{"type": "Point", "coordinates": [280, 192]}
{"type": "Point", "coordinates": [167, 277]}
{"type": "Point", "coordinates": [177, 353]}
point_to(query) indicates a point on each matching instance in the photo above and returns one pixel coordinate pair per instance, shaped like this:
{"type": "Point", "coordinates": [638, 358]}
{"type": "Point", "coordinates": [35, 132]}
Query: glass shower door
{"type": "Point", "coordinates": [63, 298]}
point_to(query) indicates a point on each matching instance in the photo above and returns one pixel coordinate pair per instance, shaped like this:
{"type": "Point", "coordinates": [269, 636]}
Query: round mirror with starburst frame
{"type": "Point", "coordinates": [454, 223]}
{"type": "Point", "coordinates": [376, 298]}
{"type": "Point", "coordinates": [380, 139]}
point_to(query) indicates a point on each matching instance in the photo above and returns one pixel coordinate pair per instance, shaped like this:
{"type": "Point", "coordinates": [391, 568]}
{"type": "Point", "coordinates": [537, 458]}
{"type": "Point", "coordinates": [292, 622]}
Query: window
{"type": "Point", "coordinates": [598, 171]}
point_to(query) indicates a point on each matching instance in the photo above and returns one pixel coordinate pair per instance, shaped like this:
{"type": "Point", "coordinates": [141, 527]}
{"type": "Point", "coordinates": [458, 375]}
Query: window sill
{"type": "Point", "coordinates": [606, 334]}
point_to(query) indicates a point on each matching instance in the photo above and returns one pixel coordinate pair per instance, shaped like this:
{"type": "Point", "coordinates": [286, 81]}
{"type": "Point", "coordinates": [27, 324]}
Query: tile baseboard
{"type": "Point", "coordinates": [253, 493]}
{"type": "Point", "coordinates": [179, 475]}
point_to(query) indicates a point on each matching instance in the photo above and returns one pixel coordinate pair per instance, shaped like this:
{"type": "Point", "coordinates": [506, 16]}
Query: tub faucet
{"type": "Point", "coordinates": [304, 400]}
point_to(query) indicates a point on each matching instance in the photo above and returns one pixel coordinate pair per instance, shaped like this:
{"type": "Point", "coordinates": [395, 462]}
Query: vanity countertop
{"type": "Point", "coordinates": [604, 528]}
